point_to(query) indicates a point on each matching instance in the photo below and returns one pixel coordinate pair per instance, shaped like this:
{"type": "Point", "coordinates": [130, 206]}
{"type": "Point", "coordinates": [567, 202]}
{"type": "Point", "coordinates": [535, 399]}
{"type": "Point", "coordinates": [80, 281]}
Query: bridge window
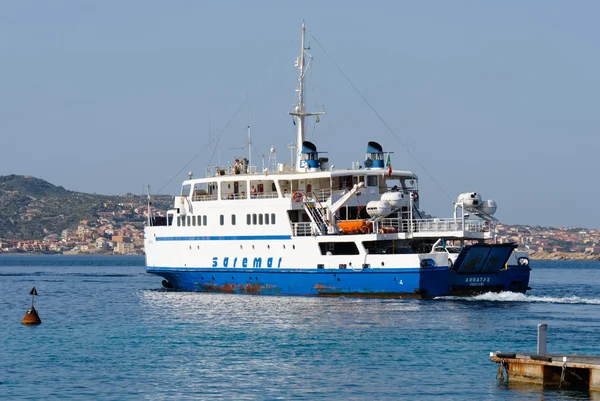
{"type": "Point", "coordinates": [372, 180]}
{"type": "Point", "coordinates": [338, 248]}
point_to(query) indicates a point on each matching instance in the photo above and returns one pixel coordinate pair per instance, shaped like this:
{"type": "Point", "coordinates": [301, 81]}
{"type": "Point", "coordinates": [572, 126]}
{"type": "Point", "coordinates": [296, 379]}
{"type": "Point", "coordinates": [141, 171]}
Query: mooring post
{"type": "Point", "coordinates": [542, 335]}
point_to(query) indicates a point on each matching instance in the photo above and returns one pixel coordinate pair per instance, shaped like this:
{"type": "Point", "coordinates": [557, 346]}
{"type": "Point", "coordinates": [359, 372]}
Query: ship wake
{"type": "Point", "coordinates": [518, 297]}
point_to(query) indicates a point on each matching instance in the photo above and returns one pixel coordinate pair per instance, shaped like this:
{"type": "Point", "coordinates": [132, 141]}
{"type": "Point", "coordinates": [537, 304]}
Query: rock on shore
{"type": "Point", "coordinates": [563, 256]}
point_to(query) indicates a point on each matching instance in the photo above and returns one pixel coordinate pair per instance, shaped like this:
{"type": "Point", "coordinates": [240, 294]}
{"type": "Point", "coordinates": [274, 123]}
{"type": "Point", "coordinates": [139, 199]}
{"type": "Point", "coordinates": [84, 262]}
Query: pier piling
{"type": "Point", "coordinates": [541, 341]}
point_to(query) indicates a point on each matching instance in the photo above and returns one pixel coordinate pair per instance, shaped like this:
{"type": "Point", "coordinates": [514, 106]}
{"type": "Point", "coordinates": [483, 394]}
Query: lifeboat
{"type": "Point", "coordinates": [355, 226]}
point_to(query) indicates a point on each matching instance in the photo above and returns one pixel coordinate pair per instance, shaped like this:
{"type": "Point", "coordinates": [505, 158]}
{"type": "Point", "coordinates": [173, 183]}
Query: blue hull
{"type": "Point", "coordinates": [514, 279]}
{"type": "Point", "coordinates": [372, 283]}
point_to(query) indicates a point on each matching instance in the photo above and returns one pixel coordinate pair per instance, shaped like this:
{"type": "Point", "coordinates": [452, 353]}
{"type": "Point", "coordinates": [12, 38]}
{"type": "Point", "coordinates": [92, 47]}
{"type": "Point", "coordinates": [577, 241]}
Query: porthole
{"type": "Point", "coordinates": [283, 246]}
{"type": "Point", "coordinates": [268, 246]}
{"type": "Point", "coordinates": [293, 246]}
{"type": "Point", "coordinates": [241, 246]}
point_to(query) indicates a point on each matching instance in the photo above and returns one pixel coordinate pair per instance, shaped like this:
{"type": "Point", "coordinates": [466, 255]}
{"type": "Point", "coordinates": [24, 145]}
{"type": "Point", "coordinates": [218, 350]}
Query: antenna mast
{"type": "Point", "coordinates": [149, 218]}
{"type": "Point", "coordinates": [299, 111]}
{"type": "Point", "coordinates": [249, 146]}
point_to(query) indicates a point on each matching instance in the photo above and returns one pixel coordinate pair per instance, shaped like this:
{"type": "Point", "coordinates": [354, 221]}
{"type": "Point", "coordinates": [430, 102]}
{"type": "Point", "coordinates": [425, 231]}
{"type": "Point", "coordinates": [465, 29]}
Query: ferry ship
{"type": "Point", "coordinates": [306, 228]}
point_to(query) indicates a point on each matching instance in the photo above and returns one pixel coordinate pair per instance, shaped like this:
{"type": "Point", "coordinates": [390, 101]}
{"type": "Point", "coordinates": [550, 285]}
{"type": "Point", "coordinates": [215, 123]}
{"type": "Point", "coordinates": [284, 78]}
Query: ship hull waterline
{"type": "Point", "coordinates": [365, 283]}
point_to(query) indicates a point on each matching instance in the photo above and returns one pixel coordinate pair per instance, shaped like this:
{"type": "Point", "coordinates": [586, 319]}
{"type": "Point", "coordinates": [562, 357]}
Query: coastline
{"type": "Point", "coordinates": [563, 256]}
{"type": "Point", "coordinates": [533, 255]}
{"type": "Point", "coordinates": [72, 253]}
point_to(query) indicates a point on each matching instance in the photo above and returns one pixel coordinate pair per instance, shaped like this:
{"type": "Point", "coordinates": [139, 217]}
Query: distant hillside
{"type": "Point", "coordinates": [31, 208]}
{"type": "Point", "coordinates": [30, 186]}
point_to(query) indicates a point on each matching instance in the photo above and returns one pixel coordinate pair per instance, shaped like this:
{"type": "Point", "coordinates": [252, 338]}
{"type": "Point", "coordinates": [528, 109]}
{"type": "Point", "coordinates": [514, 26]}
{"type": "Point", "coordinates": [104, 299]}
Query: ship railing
{"type": "Point", "coordinates": [203, 198]}
{"type": "Point", "coordinates": [301, 229]}
{"type": "Point", "coordinates": [431, 225]}
{"type": "Point", "coordinates": [437, 225]}
{"type": "Point", "coordinates": [321, 194]}
{"type": "Point", "coordinates": [260, 195]}
{"type": "Point", "coordinates": [265, 195]}
{"type": "Point", "coordinates": [396, 225]}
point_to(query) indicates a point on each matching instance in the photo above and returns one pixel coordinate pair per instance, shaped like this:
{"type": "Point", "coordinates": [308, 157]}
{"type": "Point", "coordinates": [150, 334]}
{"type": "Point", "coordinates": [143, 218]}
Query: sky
{"type": "Point", "coordinates": [502, 98]}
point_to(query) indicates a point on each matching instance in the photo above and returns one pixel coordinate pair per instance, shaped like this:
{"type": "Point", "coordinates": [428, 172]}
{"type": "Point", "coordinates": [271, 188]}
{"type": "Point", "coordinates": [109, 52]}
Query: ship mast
{"type": "Point", "coordinates": [299, 110]}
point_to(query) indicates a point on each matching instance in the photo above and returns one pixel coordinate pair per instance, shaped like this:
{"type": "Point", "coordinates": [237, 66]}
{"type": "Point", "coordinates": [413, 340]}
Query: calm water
{"type": "Point", "coordinates": [110, 332]}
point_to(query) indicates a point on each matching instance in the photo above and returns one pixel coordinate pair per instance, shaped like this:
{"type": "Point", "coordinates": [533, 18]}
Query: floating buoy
{"type": "Point", "coordinates": [31, 317]}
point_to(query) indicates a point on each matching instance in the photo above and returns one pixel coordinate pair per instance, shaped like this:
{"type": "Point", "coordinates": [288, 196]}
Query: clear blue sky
{"type": "Point", "coordinates": [498, 97]}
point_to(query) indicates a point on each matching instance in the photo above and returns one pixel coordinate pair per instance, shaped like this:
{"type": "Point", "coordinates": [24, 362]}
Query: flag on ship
{"type": "Point", "coordinates": [389, 165]}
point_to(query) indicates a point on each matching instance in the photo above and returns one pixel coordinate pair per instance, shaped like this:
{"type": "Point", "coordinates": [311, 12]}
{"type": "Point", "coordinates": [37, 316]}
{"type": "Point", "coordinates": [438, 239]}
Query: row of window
{"type": "Point", "coordinates": [191, 221]}
{"type": "Point", "coordinates": [251, 219]}
{"type": "Point", "coordinates": [260, 219]}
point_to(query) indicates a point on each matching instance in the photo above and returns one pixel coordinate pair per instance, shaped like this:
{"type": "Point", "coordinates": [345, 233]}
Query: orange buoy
{"type": "Point", "coordinates": [31, 317]}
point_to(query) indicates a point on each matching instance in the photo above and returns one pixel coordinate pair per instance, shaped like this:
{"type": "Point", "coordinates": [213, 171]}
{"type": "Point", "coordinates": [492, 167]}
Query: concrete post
{"type": "Point", "coordinates": [542, 335]}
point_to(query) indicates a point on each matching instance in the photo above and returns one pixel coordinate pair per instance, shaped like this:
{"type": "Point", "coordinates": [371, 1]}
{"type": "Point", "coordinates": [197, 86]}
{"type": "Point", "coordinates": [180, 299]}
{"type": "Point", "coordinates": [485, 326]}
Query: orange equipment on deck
{"type": "Point", "coordinates": [355, 226]}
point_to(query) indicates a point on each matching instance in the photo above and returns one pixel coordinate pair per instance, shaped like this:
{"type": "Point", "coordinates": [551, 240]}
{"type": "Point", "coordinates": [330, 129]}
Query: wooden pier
{"type": "Point", "coordinates": [563, 371]}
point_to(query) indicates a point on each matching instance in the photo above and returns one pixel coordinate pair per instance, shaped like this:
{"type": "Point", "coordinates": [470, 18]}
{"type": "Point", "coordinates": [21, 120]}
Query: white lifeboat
{"type": "Point", "coordinates": [395, 199]}
{"type": "Point", "coordinates": [379, 208]}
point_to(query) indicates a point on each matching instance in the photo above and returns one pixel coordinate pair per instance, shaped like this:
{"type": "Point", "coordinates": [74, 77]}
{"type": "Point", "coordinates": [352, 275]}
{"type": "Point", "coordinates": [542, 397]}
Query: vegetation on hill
{"type": "Point", "coordinates": [31, 208]}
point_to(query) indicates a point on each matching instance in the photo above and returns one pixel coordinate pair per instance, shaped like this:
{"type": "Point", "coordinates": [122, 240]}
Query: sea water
{"type": "Point", "coordinates": [110, 332]}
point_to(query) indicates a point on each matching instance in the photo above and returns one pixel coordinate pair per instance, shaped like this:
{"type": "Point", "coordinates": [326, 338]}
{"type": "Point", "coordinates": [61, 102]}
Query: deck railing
{"type": "Point", "coordinates": [321, 194]}
{"type": "Point", "coordinates": [437, 225]}
{"type": "Point", "coordinates": [394, 225]}
{"type": "Point", "coordinates": [301, 229]}
{"type": "Point", "coordinates": [203, 198]}
{"type": "Point", "coordinates": [259, 195]}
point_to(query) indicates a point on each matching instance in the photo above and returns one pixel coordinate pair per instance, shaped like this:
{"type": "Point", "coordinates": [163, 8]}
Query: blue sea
{"type": "Point", "coordinates": [110, 332]}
